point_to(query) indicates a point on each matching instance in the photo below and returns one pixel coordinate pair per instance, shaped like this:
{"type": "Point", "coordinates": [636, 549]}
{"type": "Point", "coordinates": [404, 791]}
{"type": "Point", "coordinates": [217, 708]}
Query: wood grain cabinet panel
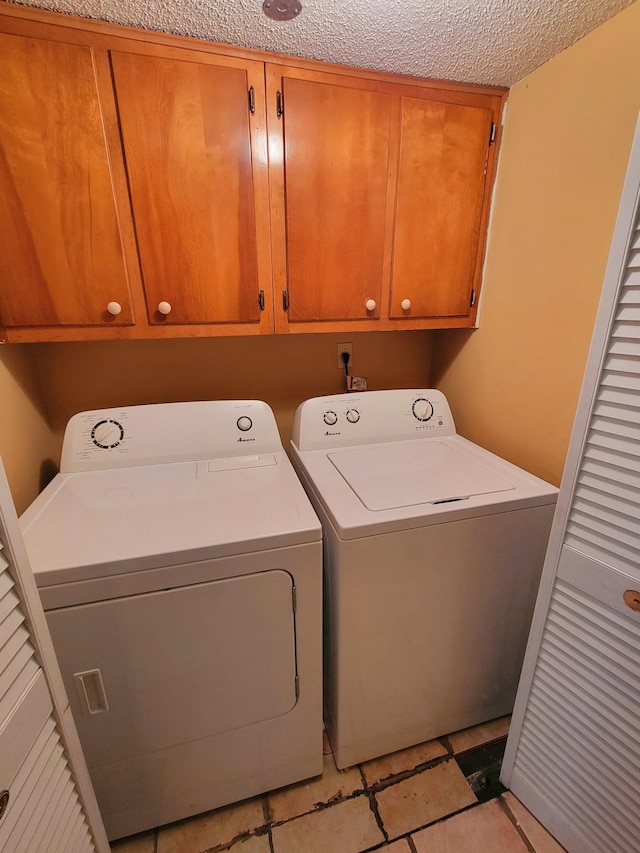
{"type": "Point", "coordinates": [331, 179]}
{"type": "Point", "coordinates": [442, 169]}
{"type": "Point", "coordinates": [62, 260]}
{"type": "Point", "coordinates": [198, 185]}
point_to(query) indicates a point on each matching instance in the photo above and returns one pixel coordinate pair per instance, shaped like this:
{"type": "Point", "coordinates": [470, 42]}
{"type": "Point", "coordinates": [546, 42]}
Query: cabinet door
{"type": "Point", "coordinates": [62, 259]}
{"type": "Point", "coordinates": [198, 184]}
{"type": "Point", "coordinates": [442, 173]}
{"type": "Point", "coordinates": [329, 154]}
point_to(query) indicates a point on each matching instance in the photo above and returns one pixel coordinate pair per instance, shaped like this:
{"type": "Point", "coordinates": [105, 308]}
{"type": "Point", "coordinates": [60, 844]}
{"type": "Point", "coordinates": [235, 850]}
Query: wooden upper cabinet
{"type": "Point", "coordinates": [380, 191]}
{"type": "Point", "coordinates": [329, 157]}
{"type": "Point", "coordinates": [442, 176]}
{"type": "Point", "coordinates": [62, 260]}
{"type": "Point", "coordinates": [199, 186]}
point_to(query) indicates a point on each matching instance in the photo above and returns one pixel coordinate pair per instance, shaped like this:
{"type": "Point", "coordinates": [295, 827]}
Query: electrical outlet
{"type": "Point", "coordinates": [344, 348]}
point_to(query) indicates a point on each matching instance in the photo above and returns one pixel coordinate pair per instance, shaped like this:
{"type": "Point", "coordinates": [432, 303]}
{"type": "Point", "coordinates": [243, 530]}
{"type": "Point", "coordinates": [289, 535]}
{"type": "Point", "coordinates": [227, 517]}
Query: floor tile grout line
{"type": "Point", "coordinates": [406, 835]}
{"type": "Point", "coordinates": [370, 790]}
{"type": "Point", "coordinates": [516, 824]}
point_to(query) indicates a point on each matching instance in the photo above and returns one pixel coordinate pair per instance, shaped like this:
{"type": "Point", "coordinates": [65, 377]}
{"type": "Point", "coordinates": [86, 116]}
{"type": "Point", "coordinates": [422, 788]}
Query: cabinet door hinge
{"type": "Point", "coordinates": [252, 100]}
{"type": "Point", "coordinates": [492, 133]}
{"type": "Point", "coordinates": [472, 300]}
{"type": "Point", "coordinates": [285, 300]}
{"type": "Point", "coordinates": [279, 104]}
{"type": "Point", "coordinates": [261, 300]}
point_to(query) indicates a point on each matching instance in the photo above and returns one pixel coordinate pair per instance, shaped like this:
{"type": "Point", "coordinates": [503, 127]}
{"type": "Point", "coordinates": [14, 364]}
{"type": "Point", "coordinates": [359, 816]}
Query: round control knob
{"type": "Point", "coordinates": [405, 304]}
{"type": "Point", "coordinates": [422, 409]}
{"type": "Point", "coordinates": [353, 416]}
{"type": "Point", "coordinates": [164, 308]}
{"type": "Point", "coordinates": [107, 434]}
{"type": "Point", "coordinates": [244, 423]}
{"type": "Point", "coordinates": [370, 304]}
{"type": "Point", "coordinates": [114, 308]}
{"type": "Point", "coordinates": [330, 418]}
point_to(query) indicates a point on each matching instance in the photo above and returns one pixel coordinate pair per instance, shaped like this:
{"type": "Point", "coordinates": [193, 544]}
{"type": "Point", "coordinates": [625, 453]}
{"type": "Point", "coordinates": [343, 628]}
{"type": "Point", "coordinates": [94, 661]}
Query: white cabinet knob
{"type": "Point", "coordinates": [405, 304]}
{"type": "Point", "coordinates": [164, 307]}
{"type": "Point", "coordinates": [114, 308]}
{"type": "Point", "coordinates": [370, 305]}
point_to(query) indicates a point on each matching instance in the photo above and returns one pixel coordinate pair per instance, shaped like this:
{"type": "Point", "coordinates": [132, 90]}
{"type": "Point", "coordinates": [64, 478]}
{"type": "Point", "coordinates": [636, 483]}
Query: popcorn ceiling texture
{"type": "Point", "coordinates": [480, 41]}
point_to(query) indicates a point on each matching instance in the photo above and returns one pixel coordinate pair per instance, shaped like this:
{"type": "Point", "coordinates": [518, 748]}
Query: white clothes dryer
{"type": "Point", "coordinates": [433, 549]}
{"type": "Point", "coordinates": [179, 564]}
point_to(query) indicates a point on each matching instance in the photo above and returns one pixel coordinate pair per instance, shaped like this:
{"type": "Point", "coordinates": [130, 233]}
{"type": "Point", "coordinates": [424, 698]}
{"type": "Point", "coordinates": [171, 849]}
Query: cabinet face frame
{"type": "Point", "coordinates": [103, 37]}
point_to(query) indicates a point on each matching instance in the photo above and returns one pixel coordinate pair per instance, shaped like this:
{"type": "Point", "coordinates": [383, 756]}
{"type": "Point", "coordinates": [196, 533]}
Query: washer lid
{"type": "Point", "coordinates": [410, 473]}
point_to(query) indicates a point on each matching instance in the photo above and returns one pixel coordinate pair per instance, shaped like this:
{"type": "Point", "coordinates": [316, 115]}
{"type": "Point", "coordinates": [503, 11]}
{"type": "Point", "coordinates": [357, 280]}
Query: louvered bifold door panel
{"type": "Point", "coordinates": [44, 814]}
{"type": "Point", "coordinates": [604, 518]}
{"type": "Point", "coordinates": [579, 748]}
{"type": "Point", "coordinates": [573, 755]}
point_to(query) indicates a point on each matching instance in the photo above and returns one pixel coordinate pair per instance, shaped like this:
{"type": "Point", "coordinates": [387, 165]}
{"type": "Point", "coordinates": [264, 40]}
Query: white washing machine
{"type": "Point", "coordinates": [179, 562]}
{"type": "Point", "coordinates": [433, 549]}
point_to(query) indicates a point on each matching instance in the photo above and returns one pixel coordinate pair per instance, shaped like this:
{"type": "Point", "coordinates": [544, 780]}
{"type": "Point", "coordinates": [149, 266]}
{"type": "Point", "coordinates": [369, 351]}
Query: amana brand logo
{"type": "Point", "coordinates": [246, 439]}
{"type": "Point", "coordinates": [328, 432]}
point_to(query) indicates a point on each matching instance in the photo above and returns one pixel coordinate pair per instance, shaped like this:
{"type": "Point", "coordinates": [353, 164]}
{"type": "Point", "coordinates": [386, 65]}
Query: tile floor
{"type": "Point", "coordinates": [413, 801]}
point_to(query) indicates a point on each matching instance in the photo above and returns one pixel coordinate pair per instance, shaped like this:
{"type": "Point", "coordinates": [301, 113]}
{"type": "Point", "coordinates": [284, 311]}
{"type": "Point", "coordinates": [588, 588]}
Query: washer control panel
{"type": "Point", "coordinates": [168, 432]}
{"type": "Point", "coordinates": [371, 417]}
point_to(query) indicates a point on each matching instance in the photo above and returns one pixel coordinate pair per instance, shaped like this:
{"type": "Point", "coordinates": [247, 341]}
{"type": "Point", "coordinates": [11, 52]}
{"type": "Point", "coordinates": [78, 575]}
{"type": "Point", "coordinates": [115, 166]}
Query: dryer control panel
{"type": "Point", "coordinates": [346, 420]}
{"type": "Point", "coordinates": [168, 432]}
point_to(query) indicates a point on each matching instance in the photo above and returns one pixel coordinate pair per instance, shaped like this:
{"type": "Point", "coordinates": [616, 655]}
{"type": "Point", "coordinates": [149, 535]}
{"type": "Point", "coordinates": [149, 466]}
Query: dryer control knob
{"type": "Point", "coordinates": [422, 409]}
{"type": "Point", "coordinates": [107, 434]}
{"type": "Point", "coordinates": [244, 423]}
{"type": "Point", "coordinates": [353, 416]}
{"type": "Point", "coordinates": [330, 418]}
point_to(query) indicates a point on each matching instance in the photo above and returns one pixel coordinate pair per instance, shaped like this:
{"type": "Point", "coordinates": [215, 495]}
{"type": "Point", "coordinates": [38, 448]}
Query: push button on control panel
{"type": "Point", "coordinates": [244, 423]}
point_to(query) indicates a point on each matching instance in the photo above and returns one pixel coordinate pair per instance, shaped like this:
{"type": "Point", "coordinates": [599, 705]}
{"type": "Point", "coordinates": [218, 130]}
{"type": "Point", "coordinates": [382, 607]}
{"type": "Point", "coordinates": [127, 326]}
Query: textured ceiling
{"type": "Point", "coordinates": [481, 41]}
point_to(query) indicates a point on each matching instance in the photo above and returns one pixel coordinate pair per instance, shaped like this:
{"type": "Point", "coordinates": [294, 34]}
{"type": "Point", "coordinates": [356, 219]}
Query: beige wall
{"type": "Point", "coordinates": [27, 444]}
{"type": "Point", "coordinates": [514, 382]}
{"type": "Point", "coordinates": [282, 370]}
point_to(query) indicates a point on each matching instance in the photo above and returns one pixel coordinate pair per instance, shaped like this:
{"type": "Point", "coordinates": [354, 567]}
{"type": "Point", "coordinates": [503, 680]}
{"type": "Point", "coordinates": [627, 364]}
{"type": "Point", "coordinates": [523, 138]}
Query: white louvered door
{"type": "Point", "coordinates": [573, 754]}
{"type": "Point", "coordinates": [42, 775]}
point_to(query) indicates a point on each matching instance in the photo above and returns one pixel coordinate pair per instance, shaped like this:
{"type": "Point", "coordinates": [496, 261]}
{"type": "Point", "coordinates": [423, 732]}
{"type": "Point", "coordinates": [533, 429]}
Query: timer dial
{"type": "Point", "coordinates": [422, 409]}
{"type": "Point", "coordinates": [353, 416]}
{"type": "Point", "coordinates": [330, 418]}
{"type": "Point", "coordinates": [244, 423]}
{"type": "Point", "coordinates": [107, 434]}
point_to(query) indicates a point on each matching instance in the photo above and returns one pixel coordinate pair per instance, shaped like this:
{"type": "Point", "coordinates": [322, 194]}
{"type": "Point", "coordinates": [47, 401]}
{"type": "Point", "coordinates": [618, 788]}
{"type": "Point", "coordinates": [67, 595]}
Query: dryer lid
{"type": "Point", "coordinates": [402, 474]}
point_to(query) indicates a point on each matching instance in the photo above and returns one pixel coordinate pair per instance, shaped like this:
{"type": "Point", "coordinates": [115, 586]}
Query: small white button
{"type": "Point", "coordinates": [244, 423]}
{"type": "Point", "coordinates": [405, 304]}
{"type": "Point", "coordinates": [370, 305]}
{"type": "Point", "coordinates": [114, 308]}
{"type": "Point", "coordinates": [164, 308]}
